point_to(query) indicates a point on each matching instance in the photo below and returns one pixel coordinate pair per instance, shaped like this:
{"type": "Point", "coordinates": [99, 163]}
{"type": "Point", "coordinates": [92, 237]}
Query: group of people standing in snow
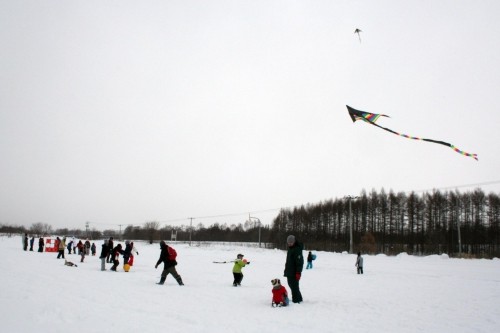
{"type": "Point", "coordinates": [31, 242]}
{"type": "Point", "coordinates": [293, 272]}
{"type": "Point", "coordinates": [110, 254]}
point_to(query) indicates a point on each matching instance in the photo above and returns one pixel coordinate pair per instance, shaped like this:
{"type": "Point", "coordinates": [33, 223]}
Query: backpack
{"type": "Point", "coordinates": [172, 254]}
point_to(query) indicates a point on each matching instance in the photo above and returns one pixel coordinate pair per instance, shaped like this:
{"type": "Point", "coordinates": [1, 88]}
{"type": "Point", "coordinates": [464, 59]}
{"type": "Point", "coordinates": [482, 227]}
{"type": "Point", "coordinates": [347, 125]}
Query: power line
{"type": "Point", "coordinates": [460, 186]}
{"type": "Point", "coordinates": [292, 206]}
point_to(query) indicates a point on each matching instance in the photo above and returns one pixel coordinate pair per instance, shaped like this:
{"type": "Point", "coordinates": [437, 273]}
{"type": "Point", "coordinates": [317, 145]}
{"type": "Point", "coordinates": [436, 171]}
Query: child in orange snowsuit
{"type": "Point", "coordinates": [280, 295]}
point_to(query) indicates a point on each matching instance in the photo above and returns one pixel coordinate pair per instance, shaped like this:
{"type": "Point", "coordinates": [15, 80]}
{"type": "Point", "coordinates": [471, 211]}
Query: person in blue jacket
{"type": "Point", "coordinates": [310, 259]}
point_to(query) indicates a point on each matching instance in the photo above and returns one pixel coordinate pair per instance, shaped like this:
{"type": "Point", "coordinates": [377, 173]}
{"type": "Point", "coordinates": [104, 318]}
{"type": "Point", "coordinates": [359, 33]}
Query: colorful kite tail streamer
{"type": "Point", "coordinates": [461, 152]}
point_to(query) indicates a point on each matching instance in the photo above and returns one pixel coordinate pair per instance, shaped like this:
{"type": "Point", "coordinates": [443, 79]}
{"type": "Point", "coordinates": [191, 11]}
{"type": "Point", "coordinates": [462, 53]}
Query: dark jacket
{"type": "Point", "coordinates": [294, 260]}
{"type": "Point", "coordinates": [116, 251]}
{"type": "Point", "coordinates": [164, 258]}
{"type": "Point", "coordinates": [128, 250]}
{"type": "Point", "coordinates": [310, 257]}
{"type": "Point", "coordinates": [104, 251]}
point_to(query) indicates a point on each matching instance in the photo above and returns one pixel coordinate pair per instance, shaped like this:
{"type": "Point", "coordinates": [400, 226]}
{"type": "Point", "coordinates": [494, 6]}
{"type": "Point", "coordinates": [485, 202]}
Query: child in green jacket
{"type": "Point", "coordinates": [239, 263]}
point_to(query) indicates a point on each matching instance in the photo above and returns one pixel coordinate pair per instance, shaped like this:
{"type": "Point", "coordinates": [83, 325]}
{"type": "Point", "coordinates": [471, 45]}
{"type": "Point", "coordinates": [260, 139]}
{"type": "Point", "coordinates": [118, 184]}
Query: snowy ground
{"type": "Point", "coordinates": [396, 294]}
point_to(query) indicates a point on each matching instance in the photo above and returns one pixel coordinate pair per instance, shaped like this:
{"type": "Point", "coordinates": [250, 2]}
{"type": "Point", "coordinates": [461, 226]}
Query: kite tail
{"type": "Point", "coordinates": [461, 152]}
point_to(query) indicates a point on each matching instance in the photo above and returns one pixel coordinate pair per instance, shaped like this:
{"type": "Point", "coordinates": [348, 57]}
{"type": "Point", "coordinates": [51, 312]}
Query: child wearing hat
{"type": "Point", "coordinates": [280, 295]}
{"type": "Point", "coordinates": [239, 263]}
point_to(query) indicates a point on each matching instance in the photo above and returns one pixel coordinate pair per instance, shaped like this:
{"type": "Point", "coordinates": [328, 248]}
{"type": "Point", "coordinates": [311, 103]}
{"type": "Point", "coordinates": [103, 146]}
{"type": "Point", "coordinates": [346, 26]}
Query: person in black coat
{"type": "Point", "coordinates": [104, 254]}
{"type": "Point", "coordinates": [40, 244]}
{"type": "Point", "coordinates": [168, 264]}
{"type": "Point", "coordinates": [109, 258]}
{"type": "Point", "coordinates": [115, 255]}
{"type": "Point", "coordinates": [127, 252]}
{"type": "Point", "coordinates": [293, 267]}
{"type": "Point", "coordinates": [25, 242]}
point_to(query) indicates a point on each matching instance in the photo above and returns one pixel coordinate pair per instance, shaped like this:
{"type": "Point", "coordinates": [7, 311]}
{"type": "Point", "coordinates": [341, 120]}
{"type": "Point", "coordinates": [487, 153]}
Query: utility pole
{"type": "Point", "coordinates": [87, 229]}
{"type": "Point", "coordinates": [349, 198]}
{"type": "Point", "coordinates": [190, 229]}
{"type": "Point", "coordinates": [459, 237]}
{"type": "Point", "coordinates": [258, 221]}
{"type": "Point", "coordinates": [120, 225]}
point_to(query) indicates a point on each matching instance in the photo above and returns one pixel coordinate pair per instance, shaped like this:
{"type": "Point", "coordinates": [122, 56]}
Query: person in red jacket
{"type": "Point", "coordinates": [280, 295]}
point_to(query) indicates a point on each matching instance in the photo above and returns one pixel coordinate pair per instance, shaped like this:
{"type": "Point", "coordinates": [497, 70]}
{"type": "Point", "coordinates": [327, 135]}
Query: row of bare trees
{"type": "Point", "coordinates": [431, 223]}
{"type": "Point", "coordinates": [153, 231]}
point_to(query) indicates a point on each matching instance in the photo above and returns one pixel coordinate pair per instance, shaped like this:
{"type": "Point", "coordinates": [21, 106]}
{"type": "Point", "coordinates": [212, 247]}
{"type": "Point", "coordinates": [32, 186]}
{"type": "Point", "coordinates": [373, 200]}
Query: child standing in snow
{"type": "Point", "coordinates": [310, 259]}
{"type": "Point", "coordinates": [134, 250]}
{"type": "Point", "coordinates": [239, 263]}
{"type": "Point", "coordinates": [359, 263]}
{"type": "Point", "coordinates": [69, 246]}
{"type": "Point", "coordinates": [280, 295]}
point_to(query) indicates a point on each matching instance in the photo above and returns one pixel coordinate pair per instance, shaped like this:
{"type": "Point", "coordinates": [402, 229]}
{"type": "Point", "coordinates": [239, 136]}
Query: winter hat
{"type": "Point", "coordinates": [239, 255]}
{"type": "Point", "coordinates": [275, 282]}
{"type": "Point", "coordinates": [290, 239]}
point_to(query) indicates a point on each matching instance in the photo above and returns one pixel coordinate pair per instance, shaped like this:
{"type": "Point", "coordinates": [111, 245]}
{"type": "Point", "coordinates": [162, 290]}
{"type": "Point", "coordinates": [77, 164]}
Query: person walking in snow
{"type": "Point", "coordinates": [280, 295]}
{"type": "Point", "coordinates": [32, 241]}
{"type": "Point", "coordinates": [168, 257]}
{"type": "Point", "coordinates": [61, 245]}
{"type": "Point", "coordinates": [359, 263]}
{"type": "Point", "coordinates": [70, 246]}
{"type": "Point", "coordinates": [115, 256]}
{"type": "Point", "coordinates": [82, 254]}
{"type": "Point", "coordinates": [104, 254]}
{"type": "Point", "coordinates": [93, 249]}
{"type": "Point", "coordinates": [239, 263]}
{"type": "Point", "coordinates": [293, 267]}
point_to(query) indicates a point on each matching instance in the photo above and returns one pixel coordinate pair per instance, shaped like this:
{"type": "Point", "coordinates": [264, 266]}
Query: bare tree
{"type": "Point", "coordinates": [40, 228]}
{"type": "Point", "coordinates": [151, 230]}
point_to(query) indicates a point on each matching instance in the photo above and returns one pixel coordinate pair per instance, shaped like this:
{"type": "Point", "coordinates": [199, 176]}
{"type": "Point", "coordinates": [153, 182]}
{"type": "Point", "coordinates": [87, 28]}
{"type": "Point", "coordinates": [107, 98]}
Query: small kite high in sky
{"type": "Point", "coordinates": [371, 118]}
{"type": "Point", "coordinates": [357, 31]}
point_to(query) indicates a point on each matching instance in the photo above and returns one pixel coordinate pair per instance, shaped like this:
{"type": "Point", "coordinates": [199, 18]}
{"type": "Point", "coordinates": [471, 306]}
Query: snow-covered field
{"type": "Point", "coordinates": [396, 294]}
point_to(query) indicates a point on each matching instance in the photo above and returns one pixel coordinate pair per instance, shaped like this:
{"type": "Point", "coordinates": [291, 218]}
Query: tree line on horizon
{"type": "Point", "coordinates": [382, 222]}
{"type": "Point", "coordinates": [152, 232]}
{"type": "Point", "coordinates": [392, 223]}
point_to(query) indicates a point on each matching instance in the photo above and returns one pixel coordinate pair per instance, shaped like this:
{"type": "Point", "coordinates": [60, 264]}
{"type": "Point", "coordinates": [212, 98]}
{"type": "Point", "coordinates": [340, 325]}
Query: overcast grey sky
{"type": "Point", "coordinates": [122, 112]}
